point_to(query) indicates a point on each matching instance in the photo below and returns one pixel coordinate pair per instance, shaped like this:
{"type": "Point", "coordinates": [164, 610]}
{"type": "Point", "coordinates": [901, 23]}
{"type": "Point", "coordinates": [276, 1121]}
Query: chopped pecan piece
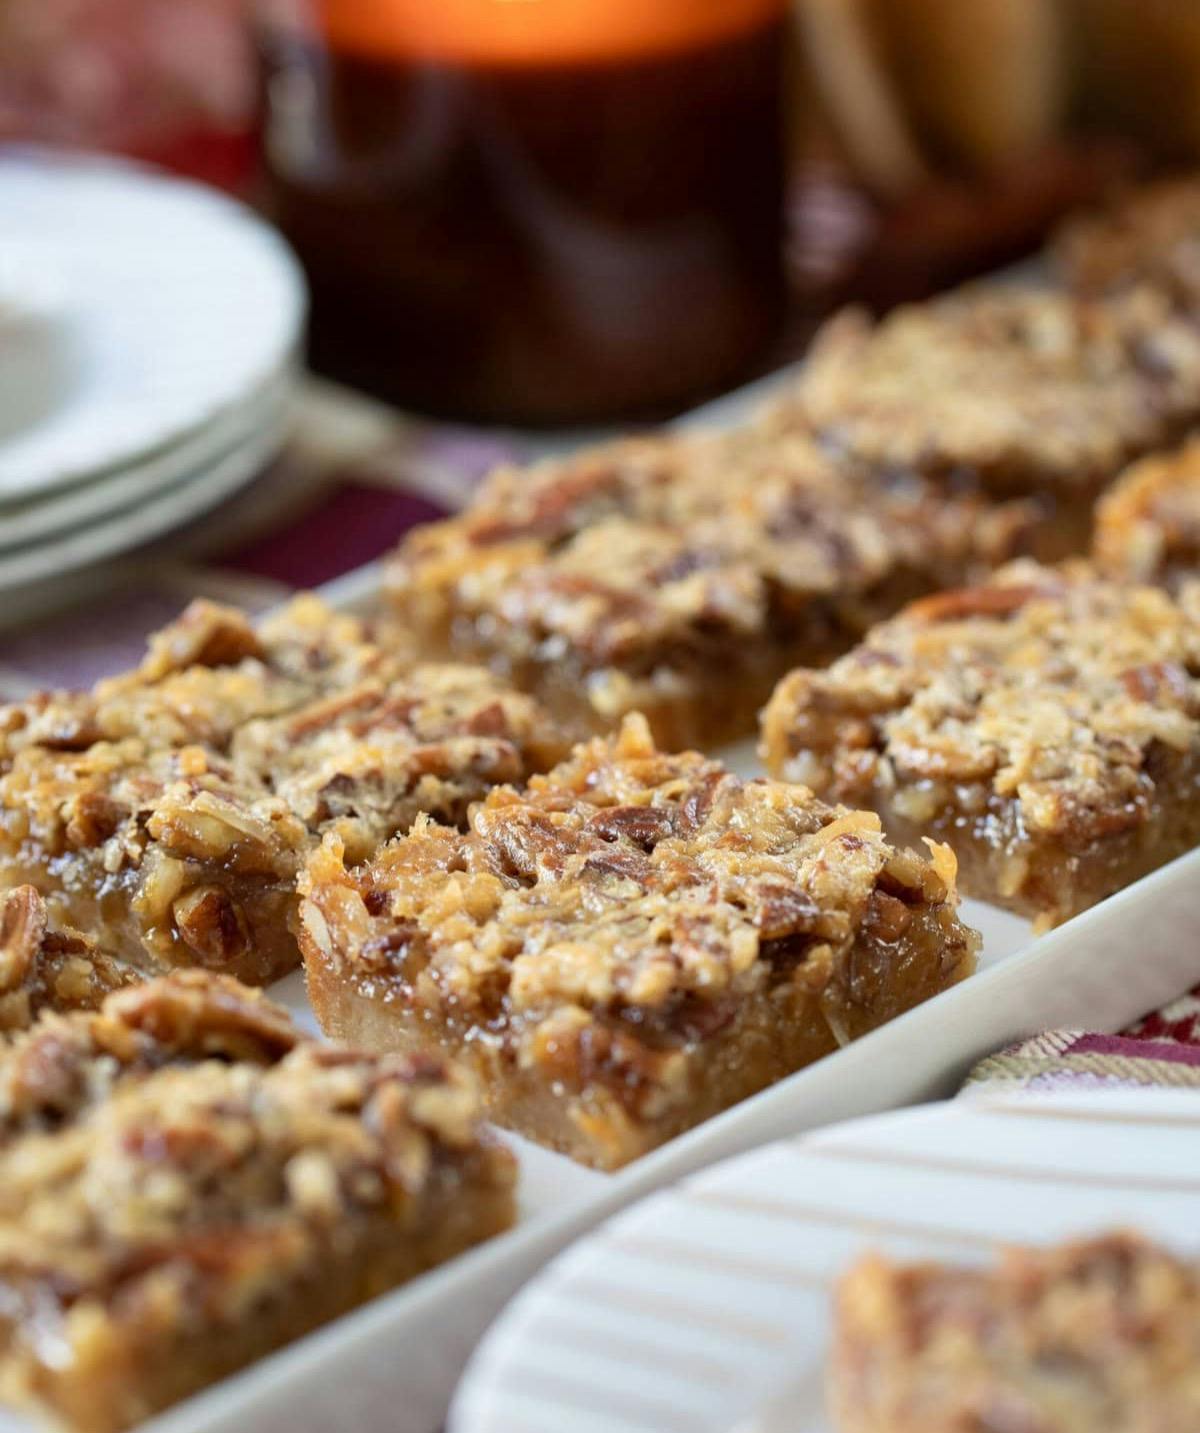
{"type": "Point", "coordinates": [47, 968]}
{"type": "Point", "coordinates": [997, 600]}
{"type": "Point", "coordinates": [213, 926]}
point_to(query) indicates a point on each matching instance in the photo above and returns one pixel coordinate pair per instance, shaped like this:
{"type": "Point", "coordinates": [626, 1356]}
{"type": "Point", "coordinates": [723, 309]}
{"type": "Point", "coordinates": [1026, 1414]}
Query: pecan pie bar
{"type": "Point", "coordinates": [203, 677]}
{"type": "Point", "coordinates": [170, 810]}
{"type": "Point", "coordinates": [631, 944]}
{"type": "Point", "coordinates": [1046, 725]}
{"type": "Point", "coordinates": [48, 968]}
{"type": "Point", "coordinates": [1150, 236]}
{"type": "Point", "coordinates": [1102, 1334]}
{"type": "Point", "coordinates": [682, 575]}
{"type": "Point", "coordinates": [186, 1183]}
{"type": "Point", "coordinates": [1148, 524]}
{"type": "Point", "coordinates": [1014, 391]}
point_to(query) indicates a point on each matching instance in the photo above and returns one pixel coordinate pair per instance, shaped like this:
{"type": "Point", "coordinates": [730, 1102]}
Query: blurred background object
{"type": "Point", "coordinates": [560, 210]}
{"type": "Point", "coordinates": [543, 211]}
{"type": "Point", "coordinates": [954, 127]}
{"type": "Point", "coordinates": [150, 348]}
{"type": "Point", "coordinates": [982, 81]}
{"type": "Point", "coordinates": [1139, 69]}
{"type": "Point", "coordinates": [170, 81]}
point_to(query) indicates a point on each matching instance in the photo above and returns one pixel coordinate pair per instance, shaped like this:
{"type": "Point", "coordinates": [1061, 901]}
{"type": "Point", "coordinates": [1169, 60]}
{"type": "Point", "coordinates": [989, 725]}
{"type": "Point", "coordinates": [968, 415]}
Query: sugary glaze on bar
{"type": "Point", "coordinates": [632, 943]}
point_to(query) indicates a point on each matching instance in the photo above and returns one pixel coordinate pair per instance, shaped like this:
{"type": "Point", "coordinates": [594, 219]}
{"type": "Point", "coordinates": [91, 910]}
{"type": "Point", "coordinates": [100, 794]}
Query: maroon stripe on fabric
{"type": "Point", "coordinates": [354, 524]}
{"type": "Point", "coordinates": [91, 640]}
{"type": "Point", "coordinates": [1158, 1026]}
{"type": "Point", "coordinates": [1134, 1049]}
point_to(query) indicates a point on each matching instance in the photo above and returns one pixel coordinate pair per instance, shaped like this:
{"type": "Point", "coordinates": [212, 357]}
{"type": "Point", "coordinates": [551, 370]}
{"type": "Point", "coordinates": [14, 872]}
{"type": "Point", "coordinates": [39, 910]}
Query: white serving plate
{"type": "Point", "coordinates": [37, 356]}
{"type": "Point", "coordinates": [225, 465]}
{"type": "Point", "coordinates": [707, 1309]}
{"type": "Point", "coordinates": [49, 517]}
{"type": "Point", "coordinates": [171, 303]}
{"type": "Point", "coordinates": [392, 1367]}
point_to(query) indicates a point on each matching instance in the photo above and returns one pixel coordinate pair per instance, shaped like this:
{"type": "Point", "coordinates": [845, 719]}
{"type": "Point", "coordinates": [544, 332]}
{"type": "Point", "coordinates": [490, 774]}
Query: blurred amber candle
{"type": "Point", "coordinates": [546, 210]}
{"type": "Point", "coordinates": [537, 32]}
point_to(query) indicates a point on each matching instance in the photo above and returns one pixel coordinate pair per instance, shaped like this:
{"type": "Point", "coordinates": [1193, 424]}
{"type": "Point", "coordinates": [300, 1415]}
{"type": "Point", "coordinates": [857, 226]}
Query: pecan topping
{"type": "Point", "coordinates": [975, 602]}
{"type": "Point", "coordinates": [644, 826]}
{"type": "Point", "coordinates": [1058, 695]}
{"type": "Point", "coordinates": [1146, 238]}
{"type": "Point", "coordinates": [67, 1064]}
{"type": "Point", "coordinates": [1019, 390]}
{"type": "Point", "coordinates": [1100, 1332]}
{"type": "Point", "coordinates": [222, 761]}
{"type": "Point", "coordinates": [622, 579]}
{"type": "Point", "coordinates": [193, 1014]}
{"type": "Point", "coordinates": [212, 926]}
{"type": "Point", "coordinates": [48, 968]}
{"type": "Point", "coordinates": [169, 1190]}
{"type": "Point", "coordinates": [627, 903]}
{"type": "Point", "coordinates": [1148, 523]}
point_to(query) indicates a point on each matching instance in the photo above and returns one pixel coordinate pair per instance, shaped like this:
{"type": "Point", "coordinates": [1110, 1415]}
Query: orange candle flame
{"type": "Point", "coordinates": [523, 32]}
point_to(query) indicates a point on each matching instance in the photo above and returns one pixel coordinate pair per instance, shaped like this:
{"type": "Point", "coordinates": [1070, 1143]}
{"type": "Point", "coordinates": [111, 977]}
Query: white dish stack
{"type": "Point", "coordinates": [150, 339]}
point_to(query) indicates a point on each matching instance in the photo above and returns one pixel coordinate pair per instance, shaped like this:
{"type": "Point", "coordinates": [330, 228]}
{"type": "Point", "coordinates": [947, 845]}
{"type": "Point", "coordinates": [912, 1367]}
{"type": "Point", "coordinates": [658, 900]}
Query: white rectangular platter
{"type": "Point", "coordinates": [392, 1367]}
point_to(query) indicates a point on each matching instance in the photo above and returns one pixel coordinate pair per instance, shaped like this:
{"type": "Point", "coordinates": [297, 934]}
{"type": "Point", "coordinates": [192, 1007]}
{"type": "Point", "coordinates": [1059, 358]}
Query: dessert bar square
{"type": "Point", "coordinates": [1046, 725]}
{"type": "Point", "coordinates": [1100, 1334]}
{"type": "Point", "coordinates": [186, 1183]}
{"type": "Point", "coordinates": [203, 677]}
{"type": "Point", "coordinates": [1013, 391]}
{"type": "Point", "coordinates": [681, 575]}
{"type": "Point", "coordinates": [1148, 523]}
{"type": "Point", "coordinates": [631, 944]}
{"type": "Point", "coordinates": [170, 810]}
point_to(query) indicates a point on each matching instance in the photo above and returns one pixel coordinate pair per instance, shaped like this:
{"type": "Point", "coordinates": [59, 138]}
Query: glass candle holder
{"type": "Point", "coordinates": [536, 210]}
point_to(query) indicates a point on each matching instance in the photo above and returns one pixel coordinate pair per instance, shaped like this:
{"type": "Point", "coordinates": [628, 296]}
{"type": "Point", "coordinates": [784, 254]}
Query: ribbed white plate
{"type": "Point", "coordinates": [51, 516]}
{"type": "Point", "coordinates": [707, 1309]}
{"type": "Point", "coordinates": [173, 303]}
{"type": "Point", "coordinates": [190, 494]}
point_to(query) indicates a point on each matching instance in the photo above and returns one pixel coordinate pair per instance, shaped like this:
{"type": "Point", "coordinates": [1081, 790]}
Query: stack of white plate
{"type": "Point", "coordinates": [150, 333]}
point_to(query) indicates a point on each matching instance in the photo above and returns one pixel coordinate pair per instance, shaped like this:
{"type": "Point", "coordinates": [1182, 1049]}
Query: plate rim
{"type": "Point", "coordinates": [165, 513]}
{"type": "Point", "coordinates": [66, 510]}
{"type": "Point", "coordinates": [484, 1386]}
{"type": "Point", "coordinates": [218, 207]}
